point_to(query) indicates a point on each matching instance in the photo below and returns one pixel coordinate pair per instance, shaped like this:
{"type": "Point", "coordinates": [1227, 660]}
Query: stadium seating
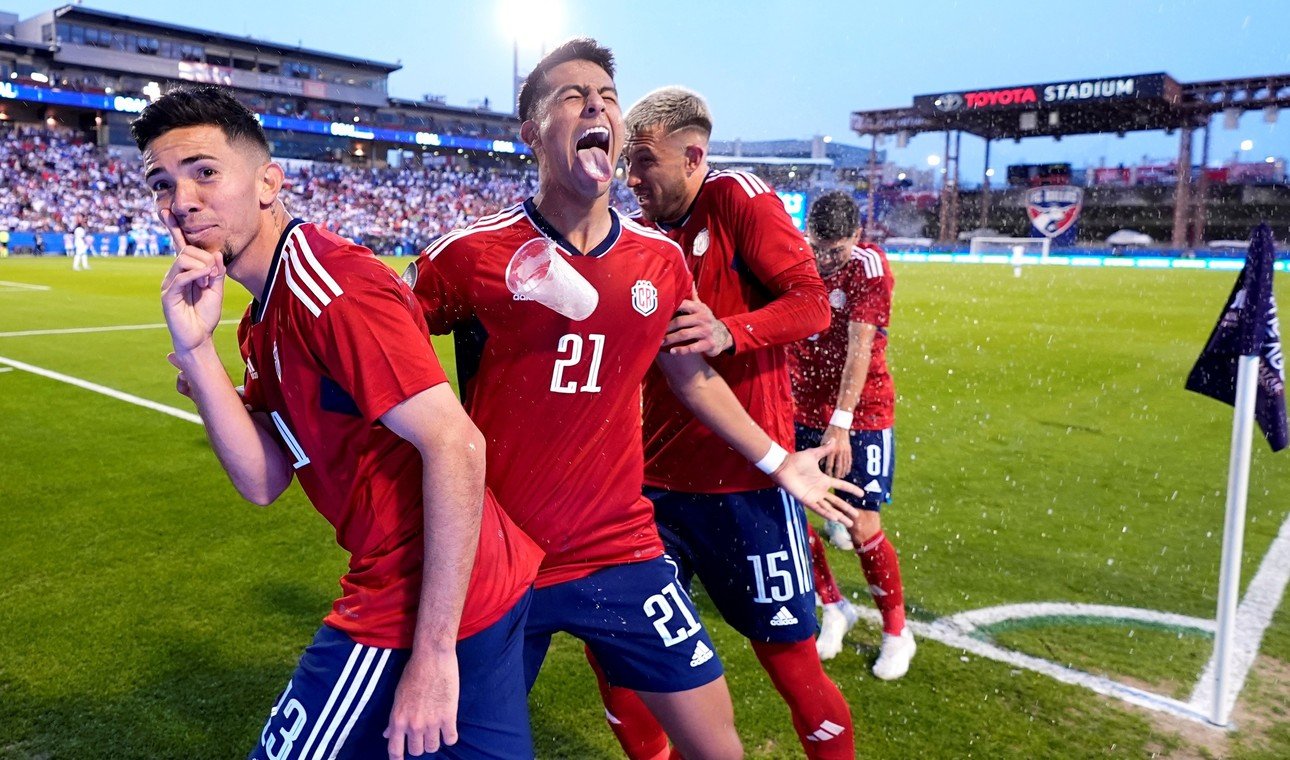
{"type": "Point", "coordinates": [57, 179]}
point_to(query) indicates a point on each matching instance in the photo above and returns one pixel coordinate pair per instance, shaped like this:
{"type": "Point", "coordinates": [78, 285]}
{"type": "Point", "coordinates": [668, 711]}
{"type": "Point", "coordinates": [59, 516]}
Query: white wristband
{"type": "Point", "coordinates": [842, 419]}
{"type": "Point", "coordinates": [773, 459]}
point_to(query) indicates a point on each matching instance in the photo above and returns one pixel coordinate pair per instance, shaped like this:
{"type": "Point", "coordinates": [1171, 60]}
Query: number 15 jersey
{"type": "Point", "coordinates": [558, 398]}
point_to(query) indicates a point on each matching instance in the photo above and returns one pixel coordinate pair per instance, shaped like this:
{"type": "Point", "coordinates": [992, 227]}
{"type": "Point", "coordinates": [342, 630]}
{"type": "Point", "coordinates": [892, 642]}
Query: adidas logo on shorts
{"type": "Point", "coordinates": [783, 617]}
{"type": "Point", "coordinates": [873, 487]}
{"type": "Point", "coordinates": [702, 653]}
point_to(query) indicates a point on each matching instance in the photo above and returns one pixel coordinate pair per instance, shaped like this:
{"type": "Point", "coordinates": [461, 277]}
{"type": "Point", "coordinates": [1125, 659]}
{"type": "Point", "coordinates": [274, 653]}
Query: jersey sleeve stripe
{"type": "Point", "coordinates": [302, 274]}
{"type": "Point", "coordinates": [870, 260]}
{"type": "Point", "coordinates": [311, 262]}
{"type": "Point", "coordinates": [511, 216]}
{"type": "Point", "coordinates": [742, 183]}
{"type": "Point", "coordinates": [299, 292]}
{"type": "Point", "coordinates": [757, 182]}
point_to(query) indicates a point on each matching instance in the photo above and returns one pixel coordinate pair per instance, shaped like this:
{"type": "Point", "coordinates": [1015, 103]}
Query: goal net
{"type": "Point", "coordinates": [1015, 247]}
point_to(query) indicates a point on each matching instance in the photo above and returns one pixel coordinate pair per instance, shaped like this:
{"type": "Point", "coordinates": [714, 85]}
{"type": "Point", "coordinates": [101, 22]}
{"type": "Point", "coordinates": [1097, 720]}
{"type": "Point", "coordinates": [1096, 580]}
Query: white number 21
{"type": "Point", "coordinates": [570, 349]}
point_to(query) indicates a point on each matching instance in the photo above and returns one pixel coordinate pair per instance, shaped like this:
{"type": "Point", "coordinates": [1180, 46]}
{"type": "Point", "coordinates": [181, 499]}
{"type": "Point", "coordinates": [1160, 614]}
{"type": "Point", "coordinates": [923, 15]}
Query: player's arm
{"type": "Point", "coordinates": [775, 252]}
{"type": "Point", "coordinates": [192, 297]}
{"type": "Point", "coordinates": [452, 456]}
{"type": "Point", "coordinates": [855, 371]}
{"type": "Point", "coordinates": [706, 394]}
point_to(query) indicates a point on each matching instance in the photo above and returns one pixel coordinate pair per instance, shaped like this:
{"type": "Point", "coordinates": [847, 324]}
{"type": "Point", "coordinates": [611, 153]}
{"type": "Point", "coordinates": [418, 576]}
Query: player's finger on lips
{"type": "Point", "coordinates": [172, 226]}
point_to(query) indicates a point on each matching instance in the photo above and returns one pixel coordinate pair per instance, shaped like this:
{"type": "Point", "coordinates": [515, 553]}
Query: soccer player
{"type": "Point", "coordinates": [566, 304]}
{"type": "Point", "coordinates": [81, 248]}
{"type": "Point", "coordinates": [727, 523]}
{"type": "Point", "coordinates": [422, 653]}
{"type": "Point", "coordinates": [845, 396]}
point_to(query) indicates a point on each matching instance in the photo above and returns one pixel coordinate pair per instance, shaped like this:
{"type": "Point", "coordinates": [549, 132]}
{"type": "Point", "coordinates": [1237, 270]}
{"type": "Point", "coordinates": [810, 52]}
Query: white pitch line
{"type": "Point", "coordinates": [79, 330]}
{"type": "Point", "coordinates": [1253, 616]}
{"type": "Point", "coordinates": [1262, 598]}
{"type": "Point", "coordinates": [103, 389]}
{"type": "Point", "coordinates": [22, 285]}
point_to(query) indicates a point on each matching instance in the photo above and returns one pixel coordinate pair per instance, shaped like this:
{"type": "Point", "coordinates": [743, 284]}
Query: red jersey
{"type": "Point", "coordinates": [558, 398]}
{"type": "Point", "coordinates": [858, 292]}
{"type": "Point", "coordinates": [737, 240]}
{"type": "Point", "coordinates": [335, 341]}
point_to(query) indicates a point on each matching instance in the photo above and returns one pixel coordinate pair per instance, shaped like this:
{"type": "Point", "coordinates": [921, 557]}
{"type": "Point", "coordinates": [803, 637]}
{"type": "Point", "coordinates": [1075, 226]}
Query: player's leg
{"type": "Point", "coordinates": [641, 626]}
{"type": "Point", "coordinates": [638, 732]}
{"type": "Point", "coordinates": [336, 692]}
{"type": "Point", "coordinates": [873, 469]}
{"type": "Point", "coordinates": [838, 615]}
{"type": "Point", "coordinates": [750, 551]}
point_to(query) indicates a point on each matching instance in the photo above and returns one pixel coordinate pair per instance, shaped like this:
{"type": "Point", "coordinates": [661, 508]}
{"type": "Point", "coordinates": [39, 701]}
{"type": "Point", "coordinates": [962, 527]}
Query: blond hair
{"type": "Point", "coordinates": [672, 108]}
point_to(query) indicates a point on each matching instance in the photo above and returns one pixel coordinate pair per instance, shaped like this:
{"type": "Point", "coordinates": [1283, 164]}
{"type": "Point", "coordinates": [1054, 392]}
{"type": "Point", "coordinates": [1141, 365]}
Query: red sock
{"type": "Point", "coordinates": [825, 586]}
{"type": "Point", "coordinates": [820, 714]}
{"type": "Point", "coordinates": [882, 570]}
{"type": "Point", "coordinates": [640, 735]}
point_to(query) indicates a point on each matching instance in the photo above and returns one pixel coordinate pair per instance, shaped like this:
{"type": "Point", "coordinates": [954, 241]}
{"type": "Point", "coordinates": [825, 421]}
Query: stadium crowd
{"type": "Point", "coordinates": [56, 180]}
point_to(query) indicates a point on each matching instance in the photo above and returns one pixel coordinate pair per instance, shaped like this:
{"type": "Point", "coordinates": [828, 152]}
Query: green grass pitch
{"type": "Point", "coordinates": [1046, 452]}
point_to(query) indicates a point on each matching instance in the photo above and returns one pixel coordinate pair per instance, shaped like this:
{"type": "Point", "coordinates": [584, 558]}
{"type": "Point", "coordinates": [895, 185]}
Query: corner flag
{"type": "Point", "coordinates": [1248, 327]}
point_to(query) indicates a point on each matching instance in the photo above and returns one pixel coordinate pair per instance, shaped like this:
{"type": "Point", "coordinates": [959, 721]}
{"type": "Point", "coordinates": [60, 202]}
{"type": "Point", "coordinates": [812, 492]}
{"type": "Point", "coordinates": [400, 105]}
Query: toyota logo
{"type": "Point", "coordinates": [950, 102]}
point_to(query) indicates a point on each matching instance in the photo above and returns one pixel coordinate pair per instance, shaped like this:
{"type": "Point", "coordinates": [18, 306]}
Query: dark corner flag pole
{"type": "Point", "coordinates": [1242, 365]}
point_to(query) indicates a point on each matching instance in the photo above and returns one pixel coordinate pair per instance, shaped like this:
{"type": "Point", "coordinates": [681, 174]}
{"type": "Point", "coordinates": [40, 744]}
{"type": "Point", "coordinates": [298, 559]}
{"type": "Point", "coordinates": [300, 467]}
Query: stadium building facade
{"type": "Point", "coordinates": [93, 71]}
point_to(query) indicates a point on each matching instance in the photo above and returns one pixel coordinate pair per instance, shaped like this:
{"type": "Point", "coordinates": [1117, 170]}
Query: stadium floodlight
{"type": "Point", "coordinates": [530, 23]}
{"type": "Point", "coordinates": [1247, 145]}
{"type": "Point", "coordinates": [933, 160]}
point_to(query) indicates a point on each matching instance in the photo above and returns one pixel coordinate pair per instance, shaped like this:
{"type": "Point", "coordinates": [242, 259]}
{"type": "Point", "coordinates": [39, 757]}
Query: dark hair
{"type": "Point", "coordinates": [198, 105]}
{"type": "Point", "coordinates": [577, 49]}
{"type": "Point", "coordinates": [833, 216]}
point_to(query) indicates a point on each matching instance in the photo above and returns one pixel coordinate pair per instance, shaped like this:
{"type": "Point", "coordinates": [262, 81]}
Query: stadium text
{"type": "Point", "coordinates": [1105, 88]}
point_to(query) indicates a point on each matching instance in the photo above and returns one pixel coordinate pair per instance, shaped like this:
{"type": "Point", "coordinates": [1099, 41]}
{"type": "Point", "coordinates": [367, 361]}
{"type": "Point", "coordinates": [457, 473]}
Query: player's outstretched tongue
{"type": "Point", "coordinates": [593, 153]}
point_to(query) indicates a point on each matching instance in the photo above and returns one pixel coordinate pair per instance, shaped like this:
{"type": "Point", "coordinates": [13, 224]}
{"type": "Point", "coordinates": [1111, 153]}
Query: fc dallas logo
{"type": "Point", "coordinates": [1052, 210]}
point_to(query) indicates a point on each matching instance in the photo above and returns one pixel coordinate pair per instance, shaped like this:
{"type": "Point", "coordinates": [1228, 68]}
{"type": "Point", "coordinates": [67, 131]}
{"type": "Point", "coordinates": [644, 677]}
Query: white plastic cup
{"type": "Point", "coordinates": [538, 272]}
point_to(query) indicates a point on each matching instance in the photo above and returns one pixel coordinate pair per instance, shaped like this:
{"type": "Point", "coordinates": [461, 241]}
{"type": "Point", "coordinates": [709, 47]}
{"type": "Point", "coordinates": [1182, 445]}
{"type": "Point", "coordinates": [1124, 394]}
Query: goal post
{"type": "Point", "coordinates": [1016, 246]}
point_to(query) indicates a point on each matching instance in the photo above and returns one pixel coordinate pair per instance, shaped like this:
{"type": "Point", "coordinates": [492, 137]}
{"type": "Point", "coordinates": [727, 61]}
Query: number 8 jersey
{"type": "Point", "coordinates": [558, 397]}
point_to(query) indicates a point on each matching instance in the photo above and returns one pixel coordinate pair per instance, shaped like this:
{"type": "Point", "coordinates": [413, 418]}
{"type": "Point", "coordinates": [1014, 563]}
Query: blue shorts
{"type": "Point", "coordinates": [873, 463]}
{"type": "Point", "coordinates": [750, 551]}
{"type": "Point", "coordinates": [638, 621]}
{"type": "Point", "coordinates": [338, 701]}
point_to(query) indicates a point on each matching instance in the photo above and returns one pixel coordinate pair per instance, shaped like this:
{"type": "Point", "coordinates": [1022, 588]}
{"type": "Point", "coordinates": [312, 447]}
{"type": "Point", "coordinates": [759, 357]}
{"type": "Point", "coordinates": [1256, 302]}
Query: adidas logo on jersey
{"type": "Point", "coordinates": [783, 617]}
{"type": "Point", "coordinates": [702, 653]}
{"type": "Point", "coordinates": [873, 486]}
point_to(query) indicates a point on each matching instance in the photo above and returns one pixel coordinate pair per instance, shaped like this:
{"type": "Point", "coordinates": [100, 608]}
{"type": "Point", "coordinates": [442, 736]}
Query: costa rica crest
{"type": "Point", "coordinates": [644, 297]}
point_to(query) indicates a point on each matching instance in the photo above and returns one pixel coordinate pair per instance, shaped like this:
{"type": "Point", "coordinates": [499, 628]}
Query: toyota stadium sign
{"type": "Point", "coordinates": [1136, 87]}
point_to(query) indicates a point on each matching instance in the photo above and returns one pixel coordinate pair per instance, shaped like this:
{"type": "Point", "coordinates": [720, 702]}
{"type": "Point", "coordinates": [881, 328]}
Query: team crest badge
{"type": "Point", "coordinates": [644, 297]}
{"type": "Point", "coordinates": [1054, 210]}
{"type": "Point", "coordinates": [410, 275]}
{"type": "Point", "coordinates": [837, 299]}
{"type": "Point", "coordinates": [701, 241]}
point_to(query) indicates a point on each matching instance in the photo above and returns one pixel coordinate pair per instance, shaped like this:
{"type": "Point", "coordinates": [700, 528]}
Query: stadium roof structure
{"type": "Point", "coordinates": [837, 154]}
{"type": "Point", "coordinates": [1116, 104]}
{"type": "Point", "coordinates": [134, 22]}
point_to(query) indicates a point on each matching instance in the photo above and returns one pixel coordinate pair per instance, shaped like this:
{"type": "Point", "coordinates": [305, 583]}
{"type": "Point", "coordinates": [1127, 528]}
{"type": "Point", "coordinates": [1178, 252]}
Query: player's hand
{"type": "Point", "coordinates": [192, 292]}
{"type": "Point", "coordinates": [838, 462]}
{"type": "Point", "coordinates": [425, 705]}
{"type": "Point", "coordinates": [695, 329]}
{"type": "Point", "coordinates": [801, 477]}
{"type": "Point", "coordinates": [181, 380]}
